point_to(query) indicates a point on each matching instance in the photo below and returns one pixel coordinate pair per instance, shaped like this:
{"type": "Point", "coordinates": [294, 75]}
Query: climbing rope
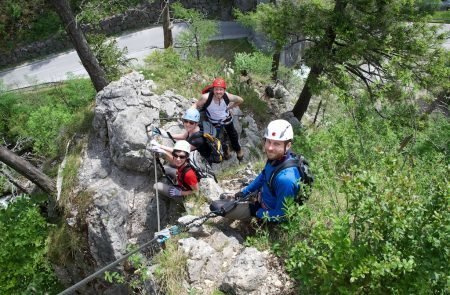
{"type": "Point", "coordinates": [160, 237]}
{"type": "Point", "coordinates": [101, 271]}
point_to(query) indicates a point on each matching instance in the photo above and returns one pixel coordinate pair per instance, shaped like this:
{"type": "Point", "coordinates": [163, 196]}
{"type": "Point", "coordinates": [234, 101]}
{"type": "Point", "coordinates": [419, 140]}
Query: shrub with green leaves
{"type": "Point", "coordinates": [47, 116]}
{"type": "Point", "coordinates": [256, 63]}
{"type": "Point", "coordinates": [44, 125]}
{"type": "Point", "coordinates": [23, 263]}
{"type": "Point", "coordinates": [378, 220]}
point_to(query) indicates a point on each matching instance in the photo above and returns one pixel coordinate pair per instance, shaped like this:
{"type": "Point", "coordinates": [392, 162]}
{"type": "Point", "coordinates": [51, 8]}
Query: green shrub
{"type": "Point", "coordinates": [186, 76]}
{"type": "Point", "coordinates": [254, 63]}
{"type": "Point", "coordinates": [23, 263]}
{"type": "Point", "coordinates": [111, 58]}
{"type": "Point", "coordinates": [41, 114]}
{"type": "Point", "coordinates": [378, 220]}
{"type": "Point", "coordinates": [44, 125]}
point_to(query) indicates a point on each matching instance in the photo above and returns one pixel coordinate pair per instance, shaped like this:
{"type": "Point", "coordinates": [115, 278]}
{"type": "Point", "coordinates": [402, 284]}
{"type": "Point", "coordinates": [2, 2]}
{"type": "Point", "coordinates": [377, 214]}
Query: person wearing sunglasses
{"type": "Point", "coordinates": [217, 103]}
{"type": "Point", "coordinates": [186, 181]}
{"type": "Point", "coordinates": [191, 134]}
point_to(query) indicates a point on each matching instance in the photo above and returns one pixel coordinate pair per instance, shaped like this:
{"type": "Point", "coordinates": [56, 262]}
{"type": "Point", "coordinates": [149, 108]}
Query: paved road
{"type": "Point", "coordinates": [140, 44]}
{"type": "Point", "coordinates": [61, 66]}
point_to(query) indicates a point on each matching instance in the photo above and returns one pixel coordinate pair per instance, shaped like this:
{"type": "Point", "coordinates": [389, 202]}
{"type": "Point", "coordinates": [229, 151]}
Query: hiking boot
{"type": "Point", "coordinates": [240, 155]}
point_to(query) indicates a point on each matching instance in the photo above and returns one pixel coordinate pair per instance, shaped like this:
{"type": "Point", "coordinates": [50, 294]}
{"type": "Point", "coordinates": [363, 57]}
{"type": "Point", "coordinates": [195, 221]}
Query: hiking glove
{"type": "Point", "coordinates": [156, 149]}
{"type": "Point", "coordinates": [174, 192]}
{"type": "Point", "coordinates": [239, 195]}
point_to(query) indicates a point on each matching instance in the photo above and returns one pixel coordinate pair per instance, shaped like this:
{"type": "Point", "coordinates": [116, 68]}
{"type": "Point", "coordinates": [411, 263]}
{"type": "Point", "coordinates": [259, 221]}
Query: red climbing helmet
{"type": "Point", "coordinates": [219, 82]}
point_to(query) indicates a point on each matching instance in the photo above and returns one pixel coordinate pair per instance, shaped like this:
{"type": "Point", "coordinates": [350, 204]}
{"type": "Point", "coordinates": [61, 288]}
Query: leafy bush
{"type": "Point", "coordinates": [378, 219]}
{"type": "Point", "coordinates": [254, 63]}
{"type": "Point", "coordinates": [186, 76]}
{"type": "Point", "coordinates": [112, 59]}
{"type": "Point", "coordinates": [23, 263]}
{"type": "Point", "coordinates": [42, 114]}
{"type": "Point", "coordinates": [44, 125]}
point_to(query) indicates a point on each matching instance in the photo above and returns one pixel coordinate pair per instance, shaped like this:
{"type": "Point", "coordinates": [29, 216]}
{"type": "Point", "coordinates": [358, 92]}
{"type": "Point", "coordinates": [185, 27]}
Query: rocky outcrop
{"type": "Point", "coordinates": [117, 170]}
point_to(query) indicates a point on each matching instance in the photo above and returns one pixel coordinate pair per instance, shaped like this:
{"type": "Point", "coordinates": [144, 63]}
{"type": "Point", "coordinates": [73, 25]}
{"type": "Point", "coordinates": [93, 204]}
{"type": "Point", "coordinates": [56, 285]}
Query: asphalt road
{"type": "Point", "coordinates": [61, 66]}
{"type": "Point", "coordinates": [140, 44]}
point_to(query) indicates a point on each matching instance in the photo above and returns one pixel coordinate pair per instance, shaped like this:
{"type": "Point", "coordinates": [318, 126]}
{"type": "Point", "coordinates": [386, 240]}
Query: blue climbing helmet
{"type": "Point", "coordinates": [192, 115]}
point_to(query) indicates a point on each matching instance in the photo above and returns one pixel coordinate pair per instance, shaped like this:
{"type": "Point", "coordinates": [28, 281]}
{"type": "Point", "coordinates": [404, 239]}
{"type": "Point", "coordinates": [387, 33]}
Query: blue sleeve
{"type": "Point", "coordinates": [256, 184]}
{"type": "Point", "coordinates": [286, 185]}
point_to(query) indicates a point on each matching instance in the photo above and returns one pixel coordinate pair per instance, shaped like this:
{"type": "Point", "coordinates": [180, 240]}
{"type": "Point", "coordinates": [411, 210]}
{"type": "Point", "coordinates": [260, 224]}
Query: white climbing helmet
{"type": "Point", "coordinates": [192, 115]}
{"type": "Point", "coordinates": [182, 145]}
{"type": "Point", "coordinates": [279, 130]}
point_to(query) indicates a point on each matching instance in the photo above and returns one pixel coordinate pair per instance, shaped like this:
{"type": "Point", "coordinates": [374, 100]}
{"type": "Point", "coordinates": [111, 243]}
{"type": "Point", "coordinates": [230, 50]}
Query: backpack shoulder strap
{"type": "Point", "coordinates": [226, 98]}
{"type": "Point", "coordinates": [293, 162]}
{"type": "Point", "coordinates": [183, 174]}
{"type": "Point", "coordinates": [209, 100]}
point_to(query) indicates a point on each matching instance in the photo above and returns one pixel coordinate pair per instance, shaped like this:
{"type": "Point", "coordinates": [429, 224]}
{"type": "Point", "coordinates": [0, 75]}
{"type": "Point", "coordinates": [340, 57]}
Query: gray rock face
{"type": "Point", "coordinates": [117, 170]}
{"type": "Point", "coordinates": [221, 262]}
{"type": "Point", "coordinates": [118, 173]}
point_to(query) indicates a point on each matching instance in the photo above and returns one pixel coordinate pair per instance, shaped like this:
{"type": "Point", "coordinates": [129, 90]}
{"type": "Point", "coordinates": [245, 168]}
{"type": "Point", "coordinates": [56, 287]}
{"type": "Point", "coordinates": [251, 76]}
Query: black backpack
{"type": "Point", "coordinates": [198, 172]}
{"type": "Point", "coordinates": [307, 178]}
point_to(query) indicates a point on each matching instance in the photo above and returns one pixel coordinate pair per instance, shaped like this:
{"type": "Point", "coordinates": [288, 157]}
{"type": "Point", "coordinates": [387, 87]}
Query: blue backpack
{"type": "Point", "coordinates": [307, 178]}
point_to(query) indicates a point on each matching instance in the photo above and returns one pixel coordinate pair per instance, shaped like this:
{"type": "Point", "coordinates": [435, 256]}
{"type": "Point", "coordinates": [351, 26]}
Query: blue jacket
{"type": "Point", "coordinates": [285, 185]}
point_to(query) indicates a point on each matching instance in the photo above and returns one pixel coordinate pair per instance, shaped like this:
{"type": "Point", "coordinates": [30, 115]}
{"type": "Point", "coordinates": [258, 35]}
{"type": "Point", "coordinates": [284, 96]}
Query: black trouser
{"type": "Point", "coordinates": [233, 136]}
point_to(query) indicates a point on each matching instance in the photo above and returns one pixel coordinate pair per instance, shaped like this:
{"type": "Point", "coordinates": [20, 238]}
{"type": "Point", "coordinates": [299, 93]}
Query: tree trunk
{"type": "Point", "coordinates": [301, 106]}
{"type": "Point", "coordinates": [28, 170]}
{"type": "Point", "coordinates": [167, 28]}
{"type": "Point", "coordinates": [275, 64]}
{"type": "Point", "coordinates": [88, 59]}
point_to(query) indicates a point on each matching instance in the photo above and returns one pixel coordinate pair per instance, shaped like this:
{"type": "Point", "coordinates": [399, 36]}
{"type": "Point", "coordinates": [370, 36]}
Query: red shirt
{"type": "Point", "coordinates": [189, 180]}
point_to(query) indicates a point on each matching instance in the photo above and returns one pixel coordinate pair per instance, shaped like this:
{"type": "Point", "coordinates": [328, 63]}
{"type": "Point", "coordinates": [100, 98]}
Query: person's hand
{"type": "Point", "coordinates": [160, 131]}
{"type": "Point", "coordinates": [156, 149]}
{"type": "Point", "coordinates": [174, 192]}
{"type": "Point", "coordinates": [154, 143]}
{"type": "Point", "coordinates": [239, 195]}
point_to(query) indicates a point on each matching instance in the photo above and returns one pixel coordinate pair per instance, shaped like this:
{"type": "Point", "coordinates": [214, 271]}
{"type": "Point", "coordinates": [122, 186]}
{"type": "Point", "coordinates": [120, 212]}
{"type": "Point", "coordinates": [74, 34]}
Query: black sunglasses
{"type": "Point", "coordinates": [181, 157]}
{"type": "Point", "coordinates": [189, 122]}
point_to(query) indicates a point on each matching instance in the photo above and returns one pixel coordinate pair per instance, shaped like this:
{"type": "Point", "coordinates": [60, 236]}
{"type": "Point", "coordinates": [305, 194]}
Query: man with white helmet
{"type": "Point", "coordinates": [286, 184]}
{"type": "Point", "coordinates": [186, 179]}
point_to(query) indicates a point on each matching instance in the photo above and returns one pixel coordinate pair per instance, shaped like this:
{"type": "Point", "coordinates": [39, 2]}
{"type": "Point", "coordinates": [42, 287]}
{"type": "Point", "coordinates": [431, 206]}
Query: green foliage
{"type": "Point", "coordinates": [193, 41]}
{"type": "Point", "coordinates": [93, 11]}
{"type": "Point", "coordinates": [23, 263]}
{"type": "Point", "coordinates": [112, 59]}
{"type": "Point", "coordinates": [378, 220]}
{"type": "Point", "coordinates": [374, 45]}
{"type": "Point", "coordinates": [255, 63]}
{"type": "Point", "coordinates": [441, 16]}
{"type": "Point", "coordinates": [43, 114]}
{"type": "Point", "coordinates": [186, 76]}
{"type": "Point", "coordinates": [24, 21]}
{"type": "Point", "coordinates": [171, 268]}
{"type": "Point", "coordinates": [44, 125]}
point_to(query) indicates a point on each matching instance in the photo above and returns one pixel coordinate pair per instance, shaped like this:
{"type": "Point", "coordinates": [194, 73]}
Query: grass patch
{"type": "Point", "coordinates": [66, 245]}
{"type": "Point", "coordinates": [442, 16]}
{"type": "Point", "coordinates": [171, 269]}
{"type": "Point", "coordinates": [48, 116]}
{"type": "Point", "coordinates": [226, 49]}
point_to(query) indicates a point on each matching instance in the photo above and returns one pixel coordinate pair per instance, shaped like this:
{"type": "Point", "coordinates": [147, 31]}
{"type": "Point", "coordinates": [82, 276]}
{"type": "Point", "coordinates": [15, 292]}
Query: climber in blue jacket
{"type": "Point", "coordinates": [270, 203]}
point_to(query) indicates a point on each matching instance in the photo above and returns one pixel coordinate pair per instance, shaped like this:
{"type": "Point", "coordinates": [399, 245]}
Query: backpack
{"type": "Point", "coordinates": [198, 172]}
{"type": "Point", "coordinates": [307, 178]}
{"type": "Point", "coordinates": [215, 145]}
